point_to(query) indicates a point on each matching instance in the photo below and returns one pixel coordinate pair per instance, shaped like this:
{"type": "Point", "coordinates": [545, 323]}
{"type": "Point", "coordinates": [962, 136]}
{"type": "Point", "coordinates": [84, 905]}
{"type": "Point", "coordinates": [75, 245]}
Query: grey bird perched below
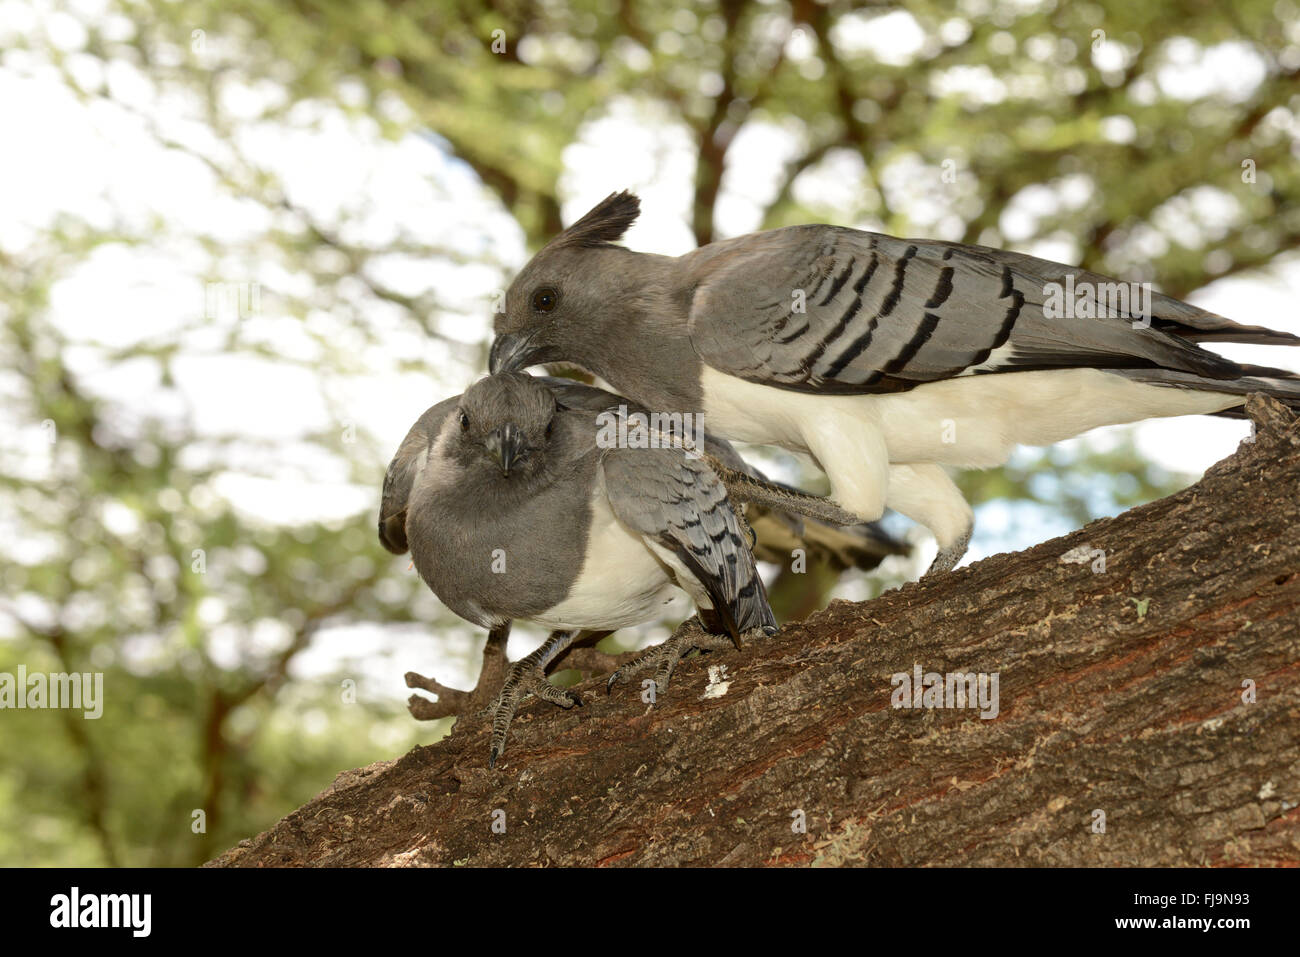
{"type": "Point", "coordinates": [512, 509]}
{"type": "Point", "coordinates": [777, 516]}
{"type": "Point", "coordinates": [884, 359]}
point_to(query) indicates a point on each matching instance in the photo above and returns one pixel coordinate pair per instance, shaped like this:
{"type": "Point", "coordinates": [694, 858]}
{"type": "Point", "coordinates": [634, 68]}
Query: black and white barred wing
{"type": "Point", "coordinates": [677, 503]}
{"type": "Point", "coordinates": [826, 309]}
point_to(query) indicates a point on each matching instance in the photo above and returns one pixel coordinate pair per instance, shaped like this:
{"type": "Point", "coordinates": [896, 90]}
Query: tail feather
{"type": "Point", "coordinates": [1276, 383]}
{"type": "Point", "coordinates": [1230, 332]}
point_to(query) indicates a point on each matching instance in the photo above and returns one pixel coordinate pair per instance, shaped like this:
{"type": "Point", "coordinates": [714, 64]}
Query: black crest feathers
{"type": "Point", "coordinates": [604, 223]}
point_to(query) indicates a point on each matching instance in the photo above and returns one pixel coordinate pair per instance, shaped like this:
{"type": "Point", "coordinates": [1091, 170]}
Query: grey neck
{"type": "Point", "coordinates": [639, 344]}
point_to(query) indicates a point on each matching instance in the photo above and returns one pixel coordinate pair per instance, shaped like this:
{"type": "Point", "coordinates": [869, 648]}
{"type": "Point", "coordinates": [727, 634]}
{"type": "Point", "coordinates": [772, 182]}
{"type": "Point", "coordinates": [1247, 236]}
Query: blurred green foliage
{"type": "Point", "coordinates": [999, 99]}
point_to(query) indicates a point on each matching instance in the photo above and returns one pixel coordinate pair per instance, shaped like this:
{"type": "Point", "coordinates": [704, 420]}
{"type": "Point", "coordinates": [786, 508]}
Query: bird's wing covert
{"type": "Point", "coordinates": [677, 502]}
{"type": "Point", "coordinates": [827, 309]}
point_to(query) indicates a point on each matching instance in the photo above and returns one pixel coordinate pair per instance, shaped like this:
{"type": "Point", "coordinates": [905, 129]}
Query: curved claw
{"type": "Point", "coordinates": [526, 677]}
{"type": "Point", "coordinates": [665, 656]}
{"type": "Point", "coordinates": [947, 558]}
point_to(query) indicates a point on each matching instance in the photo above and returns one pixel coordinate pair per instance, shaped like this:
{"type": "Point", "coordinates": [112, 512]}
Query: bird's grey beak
{"type": "Point", "coordinates": [508, 445]}
{"type": "Point", "coordinates": [512, 352]}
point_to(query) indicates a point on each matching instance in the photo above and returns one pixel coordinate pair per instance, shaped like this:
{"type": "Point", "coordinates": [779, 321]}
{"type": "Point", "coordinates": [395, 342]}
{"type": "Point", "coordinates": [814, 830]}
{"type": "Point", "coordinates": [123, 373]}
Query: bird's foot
{"type": "Point", "coordinates": [462, 704]}
{"type": "Point", "coordinates": [528, 675]}
{"type": "Point", "coordinates": [691, 635]}
{"type": "Point", "coordinates": [949, 556]}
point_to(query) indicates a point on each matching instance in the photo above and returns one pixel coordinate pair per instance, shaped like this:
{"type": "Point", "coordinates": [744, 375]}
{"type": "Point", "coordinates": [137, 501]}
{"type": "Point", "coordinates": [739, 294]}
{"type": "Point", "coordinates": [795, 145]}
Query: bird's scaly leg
{"type": "Point", "coordinates": [663, 657]}
{"type": "Point", "coordinates": [453, 701]}
{"type": "Point", "coordinates": [529, 675]}
{"type": "Point", "coordinates": [928, 495]}
{"type": "Point", "coordinates": [751, 538]}
{"type": "Point", "coordinates": [948, 557]}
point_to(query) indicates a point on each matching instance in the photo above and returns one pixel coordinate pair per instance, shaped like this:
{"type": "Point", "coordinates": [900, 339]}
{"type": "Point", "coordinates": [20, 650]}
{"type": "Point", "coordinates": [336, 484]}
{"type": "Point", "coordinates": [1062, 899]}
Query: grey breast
{"type": "Point", "coordinates": [505, 550]}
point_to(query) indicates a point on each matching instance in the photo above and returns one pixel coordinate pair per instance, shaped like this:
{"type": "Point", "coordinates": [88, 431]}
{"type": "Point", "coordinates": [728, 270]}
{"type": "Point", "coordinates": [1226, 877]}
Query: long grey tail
{"type": "Point", "coordinates": [1276, 383]}
{"type": "Point", "coordinates": [1207, 329]}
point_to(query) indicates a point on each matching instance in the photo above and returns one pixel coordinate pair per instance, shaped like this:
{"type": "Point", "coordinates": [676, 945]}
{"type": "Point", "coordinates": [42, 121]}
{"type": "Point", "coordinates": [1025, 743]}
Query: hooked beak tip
{"type": "Point", "coordinates": [507, 445]}
{"type": "Point", "coordinates": [510, 352]}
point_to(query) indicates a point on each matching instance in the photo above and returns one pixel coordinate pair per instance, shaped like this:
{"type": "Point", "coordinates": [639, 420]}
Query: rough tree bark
{"type": "Point", "coordinates": [1125, 690]}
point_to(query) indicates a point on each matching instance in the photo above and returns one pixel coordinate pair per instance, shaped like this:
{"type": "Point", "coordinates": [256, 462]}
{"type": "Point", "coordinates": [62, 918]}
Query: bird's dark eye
{"type": "Point", "coordinates": [464, 422]}
{"type": "Point", "coordinates": [545, 299]}
{"type": "Point", "coordinates": [550, 427]}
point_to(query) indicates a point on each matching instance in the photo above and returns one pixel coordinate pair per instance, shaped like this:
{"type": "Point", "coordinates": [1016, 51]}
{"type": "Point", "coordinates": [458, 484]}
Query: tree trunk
{"type": "Point", "coordinates": [1148, 714]}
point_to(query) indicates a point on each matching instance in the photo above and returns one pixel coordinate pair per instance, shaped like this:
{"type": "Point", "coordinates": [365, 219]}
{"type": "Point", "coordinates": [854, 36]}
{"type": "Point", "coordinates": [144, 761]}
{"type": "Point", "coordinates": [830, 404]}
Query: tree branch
{"type": "Point", "coordinates": [1146, 715]}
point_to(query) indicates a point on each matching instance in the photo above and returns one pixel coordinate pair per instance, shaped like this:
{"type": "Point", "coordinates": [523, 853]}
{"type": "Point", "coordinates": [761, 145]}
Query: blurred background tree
{"type": "Point", "coordinates": [244, 244]}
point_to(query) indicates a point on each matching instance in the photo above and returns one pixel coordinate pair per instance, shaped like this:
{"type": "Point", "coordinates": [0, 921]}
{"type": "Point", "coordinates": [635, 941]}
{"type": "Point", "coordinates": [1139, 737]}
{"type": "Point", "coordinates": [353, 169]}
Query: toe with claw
{"type": "Point", "coordinates": [528, 676]}
{"type": "Point", "coordinates": [949, 556]}
{"type": "Point", "coordinates": [664, 657]}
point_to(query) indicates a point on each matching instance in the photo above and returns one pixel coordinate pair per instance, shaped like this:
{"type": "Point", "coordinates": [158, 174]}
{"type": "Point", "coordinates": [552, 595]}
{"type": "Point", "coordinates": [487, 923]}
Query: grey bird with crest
{"type": "Point", "coordinates": [513, 509]}
{"type": "Point", "coordinates": [885, 360]}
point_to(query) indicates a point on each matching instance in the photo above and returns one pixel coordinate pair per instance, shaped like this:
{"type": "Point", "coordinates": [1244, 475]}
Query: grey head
{"type": "Point", "coordinates": [576, 291]}
{"type": "Point", "coordinates": [500, 429]}
{"type": "Point", "coordinates": [570, 281]}
{"type": "Point", "coordinates": [618, 314]}
{"type": "Point", "coordinates": [502, 432]}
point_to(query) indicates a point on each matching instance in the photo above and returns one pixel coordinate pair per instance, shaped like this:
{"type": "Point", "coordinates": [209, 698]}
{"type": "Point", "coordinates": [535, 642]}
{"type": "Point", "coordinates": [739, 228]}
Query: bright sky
{"type": "Point", "coordinates": [99, 160]}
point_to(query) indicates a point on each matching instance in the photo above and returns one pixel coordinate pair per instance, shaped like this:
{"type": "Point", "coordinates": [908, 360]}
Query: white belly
{"type": "Point", "coordinates": [969, 421]}
{"type": "Point", "coordinates": [890, 450]}
{"type": "Point", "coordinates": [621, 583]}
